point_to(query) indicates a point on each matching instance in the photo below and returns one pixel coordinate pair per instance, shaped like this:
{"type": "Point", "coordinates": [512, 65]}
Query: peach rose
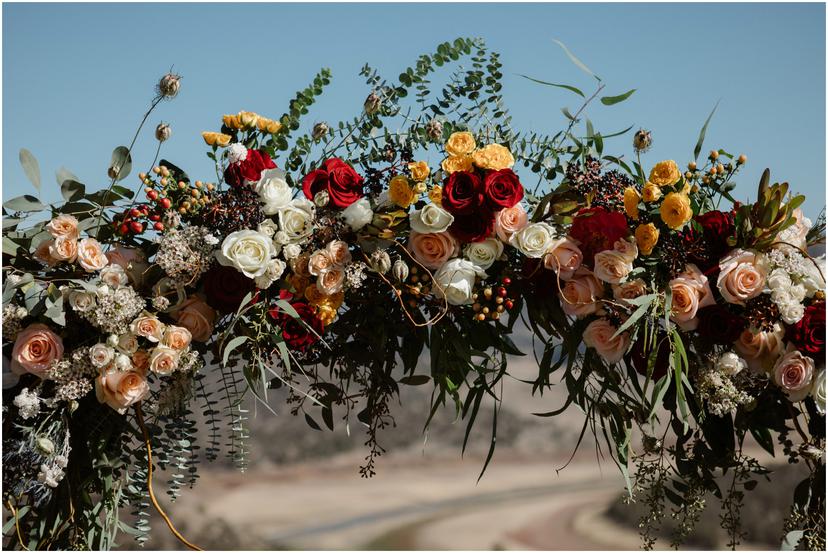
{"type": "Point", "coordinates": [564, 257]}
{"type": "Point", "coordinates": [65, 226]}
{"type": "Point", "coordinates": [629, 290]}
{"type": "Point", "coordinates": [131, 260]}
{"type": "Point", "coordinates": [338, 252]}
{"type": "Point", "coordinates": [140, 360]}
{"type": "Point", "coordinates": [163, 360]}
{"type": "Point", "coordinates": [64, 248]}
{"type": "Point", "coordinates": [320, 262]}
{"type": "Point", "coordinates": [35, 348]}
{"type": "Point", "coordinates": [599, 335]}
{"type": "Point", "coordinates": [90, 255]}
{"type": "Point", "coordinates": [148, 326]}
{"type": "Point", "coordinates": [741, 276]}
{"type": "Point", "coordinates": [581, 293]}
{"type": "Point", "coordinates": [612, 266]}
{"type": "Point", "coordinates": [121, 389]}
{"type": "Point", "coordinates": [691, 291]}
{"type": "Point", "coordinates": [509, 221]}
{"type": "Point", "coordinates": [177, 337]}
{"type": "Point", "coordinates": [627, 248]}
{"type": "Point", "coordinates": [433, 249]}
{"type": "Point", "coordinates": [794, 372]}
{"type": "Point", "coordinates": [331, 282]}
{"type": "Point", "coordinates": [197, 317]}
{"type": "Point", "coordinates": [761, 348]}
{"type": "Point", "coordinates": [43, 253]}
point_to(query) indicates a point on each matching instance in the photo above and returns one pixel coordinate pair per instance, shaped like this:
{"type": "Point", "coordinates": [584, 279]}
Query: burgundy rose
{"type": "Point", "coordinates": [502, 189]}
{"type": "Point", "coordinates": [225, 288]}
{"type": "Point", "coordinates": [707, 246]}
{"type": "Point", "coordinates": [297, 335]}
{"type": "Point", "coordinates": [640, 357]}
{"type": "Point", "coordinates": [473, 227]}
{"type": "Point", "coordinates": [344, 185]}
{"type": "Point", "coordinates": [596, 230]}
{"type": "Point", "coordinates": [249, 168]}
{"type": "Point", "coordinates": [719, 325]}
{"type": "Point", "coordinates": [462, 193]}
{"type": "Point", "coordinates": [808, 335]}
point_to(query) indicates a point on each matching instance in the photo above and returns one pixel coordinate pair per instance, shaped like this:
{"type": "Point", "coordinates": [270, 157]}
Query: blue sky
{"type": "Point", "coordinates": [78, 77]}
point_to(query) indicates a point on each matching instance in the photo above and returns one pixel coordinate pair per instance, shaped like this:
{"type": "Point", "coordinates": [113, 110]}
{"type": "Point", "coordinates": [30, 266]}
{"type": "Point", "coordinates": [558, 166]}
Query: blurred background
{"type": "Point", "coordinates": [77, 77]}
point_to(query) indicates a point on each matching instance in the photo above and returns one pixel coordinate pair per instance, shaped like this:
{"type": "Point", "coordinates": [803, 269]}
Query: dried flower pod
{"type": "Point", "coordinates": [400, 270]}
{"type": "Point", "coordinates": [642, 140]}
{"type": "Point", "coordinates": [319, 130]}
{"type": "Point", "coordinates": [163, 132]}
{"type": "Point", "coordinates": [169, 85]}
{"type": "Point", "coordinates": [381, 261]}
{"type": "Point", "coordinates": [372, 103]}
{"type": "Point", "coordinates": [321, 198]}
{"type": "Point", "coordinates": [434, 130]}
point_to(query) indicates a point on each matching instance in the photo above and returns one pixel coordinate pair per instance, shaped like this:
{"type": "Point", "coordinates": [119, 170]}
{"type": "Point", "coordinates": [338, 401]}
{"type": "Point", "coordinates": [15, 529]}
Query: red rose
{"type": "Point", "coordinates": [502, 189]}
{"type": "Point", "coordinates": [473, 227]}
{"type": "Point", "coordinates": [808, 335]}
{"type": "Point", "coordinates": [707, 247]}
{"type": "Point", "coordinates": [462, 193]}
{"type": "Point", "coordinates": [248, 169]}
{"type": "Point", "coordinates": [344, 185]}
{"type": "Point", "coordinates": [718, 325]}
{"type": "Point", "coordinates": [297, 335]}
{"type": "Point", "coordinates": [596, 230]}
{"type": "Point", "coordinates": [225, 288]}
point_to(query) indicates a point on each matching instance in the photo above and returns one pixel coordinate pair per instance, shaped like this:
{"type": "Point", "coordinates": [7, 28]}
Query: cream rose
{"type": "Point", "coordinates": [331, 281]}
{"type": "Point", "coordinates": [248, 251]}
{"type": "Point", "coordinates": [358, 214]}
{"type": "Point", "coordinates": [197, 317]}
{"type": "Point", "coordinates": [485, 253]}
{"type": "Point", "coordinates": [433, 249]}
{"type": "Point", "coordinates": [580, 294]}
{"type": "Point", "coordinates": [121, 389]}
{"type": "Point", "coordinates": [82, 301]}
{"type": "Point", "coordinates": [431, 218]}
{"type": "Point", "coordinates": [564, 257]}
{"type": "Point", "coordinates": [63, 248]}
{"type": "Point", "coordinates": [65, 226]}
{"type": "Point", "coordinates": [612, 266]}
{"type": "Point", "coordinates": [128, 343]}
{"type": "Point", "coordinates": [163, 360]}
{"type": "Point", "coordinates": [730, 364]}
{"type": "Point", "coordinates": [818, 391]}
{"type": "Point", "coordinates": [90, 255]}
{"type": "Point", "coordinates": [114, 275]}
{"type": "Point", "coordinates": [101, 355]}
{"type": "Point", "coordinates": [35, 348]}
{"type": "Point", "coordinates": [599, 335]}
{"type": "Point", "coordinates": [320, 262]}
{"type": "Point", "coordinates": [742, 276]}
{"type": "Point", "coordinates": [177, 337]}
{"type": "Point", "coordinates": [454, 281]}
{"type": "Point", "coordinates": [296, 219]}
{"type": "Point", "coordinates": [148, 326]}
{"type": "Point", "coordinates": [794, 372]}
{"type": "Point", "coordinates": [761, 348]}
{"type": "Point", "coordinates": [274, 271]}
{"type": "Point", "coordinates": [690, 292]}
{"type": "Point", "coordinates": [509, 221]}
{"type": "Point", "coordinates": [534, 240]}
{"type": "Point", "coordinates": [338, 252]}
{"type": "Point", "coordinates": [273, 190]}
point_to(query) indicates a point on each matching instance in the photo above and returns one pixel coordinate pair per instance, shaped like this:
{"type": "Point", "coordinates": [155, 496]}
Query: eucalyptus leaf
{"type": "Point", "coordinates": [703, 132]}
{"type": "Point", "coordinates": [121, 164]}
{"type": "Point", "coordinates": [575, 60]}
{"type": "Point", "coordinates": [24, 203]}
{"type": "Point", "coordinates": [611, 100]}
{"type": "Point", "coordinates": [31, 167]}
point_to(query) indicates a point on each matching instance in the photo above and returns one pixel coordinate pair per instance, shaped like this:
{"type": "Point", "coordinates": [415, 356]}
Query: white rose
{"type": "Point", "coordinates": [236, 152]}
{"type": "Point", "coordinates": [813, 279]}
{"type": "Point", "coordinates": [296, 220]}
{"type": "Point", "coordinates": [268, 228]}
{"type": "Point", "coordinates": [455, 281]}
{"type": "Point", "coordinates": [127, 343]}
{"type": "Point", "coordinates": [248, 251]}
{"type": "Point", "coordinates": [818, 391]}
{"type": "Point", "coordinates": [730, 364]}
{"type": "Point", "coordinates": [123, 362]}
{"type": "Point", "coordinates": [273, 273]}
{"type": "Point", "coordinates": [101, 355]}
{"type": "Point", "coordinates": [82, 301]}
{"type": "Point", "coordinates": [432, 218]}
{"type": "Point", "coordinates": [358, 214]}
{"type": "Point", "coordinates": [779, 279]}
{"type": "Point", "coordinates": [534, 240]}
{"type": "Point", "coordinates": [114, 275]}
{"type": "Point", "coordinates": [484, 253]}
{"type": "Point", "coordinates": [291, 251]}
{"type": "Point", "coordinates": [273, 190]}
{"type": "Point", "coordinates": [791, 312]}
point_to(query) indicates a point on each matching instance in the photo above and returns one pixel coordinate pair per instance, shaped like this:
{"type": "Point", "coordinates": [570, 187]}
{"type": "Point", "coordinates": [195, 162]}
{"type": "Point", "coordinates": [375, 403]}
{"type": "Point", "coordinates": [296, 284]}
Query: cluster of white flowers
{"type": "Point", "coordinates": [51, 473]}
{"type": "Point", "coordinates": [716, 385]}
{"type": "Point", "coordinates": [108, 307]}
{"type": "Point", "coordinates": [791, 279]}
{"type": "Point", "coordinates": [13, 316]}
{"type": "Point", "coordinates": [28, 403]}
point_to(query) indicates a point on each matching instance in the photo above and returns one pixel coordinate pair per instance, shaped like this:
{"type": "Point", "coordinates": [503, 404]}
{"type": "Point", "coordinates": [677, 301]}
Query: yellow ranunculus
{"type": "Point", "coordinates": [665, 173]}
{"type": "Point", "coordinates": [676, 210]}
{"type": "Point", "coordinates": [494, 157]}
{"type": "Point", "coordinates": [313, 295]}
{"type": "Point", "coordinates": [268, 125]}
{"type": "Point", "coordinates": [651, 192]}
{"type": "Point", "coordinates": [400, 192]}
{"type": "Point", "coordinates": [456, 163]}
{"type": "Point", "coordinates": [326, 314]}
{"type": "Point", "coordinates": [436, 194]}
{"type": "Point", "coordinates": [216, 139]}
{"type": "Point", "coordinates": [248, 119]}
{"type": "Point", "coordinates": [231, 121]}
{"type": "Point", "coordinates": [419, 170]}
{"type": "Point", "coordinates": [631, 199]}
{"type": "Point", "coordinates": [646, 237]}
{"type": "Point", "coordinates": [460, 144]}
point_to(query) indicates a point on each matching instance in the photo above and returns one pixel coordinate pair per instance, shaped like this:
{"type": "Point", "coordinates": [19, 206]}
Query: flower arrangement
{"type": "Point", "coordinates": [343, 258]}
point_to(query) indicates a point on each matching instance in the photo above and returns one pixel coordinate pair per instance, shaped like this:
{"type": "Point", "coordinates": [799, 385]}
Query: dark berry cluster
{"type": "Point", "coordinates": [234, 209]}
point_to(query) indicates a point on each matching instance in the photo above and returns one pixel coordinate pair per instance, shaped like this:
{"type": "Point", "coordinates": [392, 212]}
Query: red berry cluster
{"type": "Point", "coordinates": [494, 302]}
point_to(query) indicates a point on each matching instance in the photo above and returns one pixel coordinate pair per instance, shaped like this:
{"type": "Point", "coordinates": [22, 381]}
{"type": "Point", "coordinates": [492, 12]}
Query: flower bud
{"type": "Point", "coordinates": [169, 85]}
{"type": "Point", "coordinates": [45, 446]}
{"type": "Point", "coordinates": [642, 140]}
{"type": "Point", "coordinates": [434, 129]}
{"type": "Point", "coordinates": [321, 198]}
{"type": "Point", "coordinates": [112, 340]}
{"type": "Point", "coordinates": [380, 261]}
{"type": "Point", "coordinates": [400, 270]}
{"type": "Point", "coordinates": [163, 132]}
{"type": "Point", "coordinates": [319, 130]}
{"type": "Point", "coordinates": [742, 159]}
{"type": "Point", "coordinates": [714, 154]}
{"type": "Point", "coordinates": [248, 119]}
{"type": "Point", "coordinates": [372, 103]}
{"type": "Point", "coordinates": [122, 362]}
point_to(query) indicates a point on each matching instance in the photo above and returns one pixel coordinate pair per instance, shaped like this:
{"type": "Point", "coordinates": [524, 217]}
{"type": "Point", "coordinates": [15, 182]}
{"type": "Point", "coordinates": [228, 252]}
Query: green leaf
{"type": "Point", "coordinates": [415, 380]}
{"type": "Point", "coordinates": [575, 60]}
{"type": "Point", "coordinates": [566, 86]}
{"type": "Point", "coordinates": [791, 540]}
{"type": "Point", "coordinates": [700, 141]}
{"type": "Point", "coordinates": [24, 203]}
{"type": "Point", "coordinates": [72, 190]}
{"type": "Point", "coordinates": [121, 163]}
{"type": "Point", "coordinates": [30, 167]}
{"type": "Point", "coordinates": [231, 345]}
{"type": "Point", "coordinates": [611, 100]}
{"type": "Point", "coordinates": [63, 174]}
